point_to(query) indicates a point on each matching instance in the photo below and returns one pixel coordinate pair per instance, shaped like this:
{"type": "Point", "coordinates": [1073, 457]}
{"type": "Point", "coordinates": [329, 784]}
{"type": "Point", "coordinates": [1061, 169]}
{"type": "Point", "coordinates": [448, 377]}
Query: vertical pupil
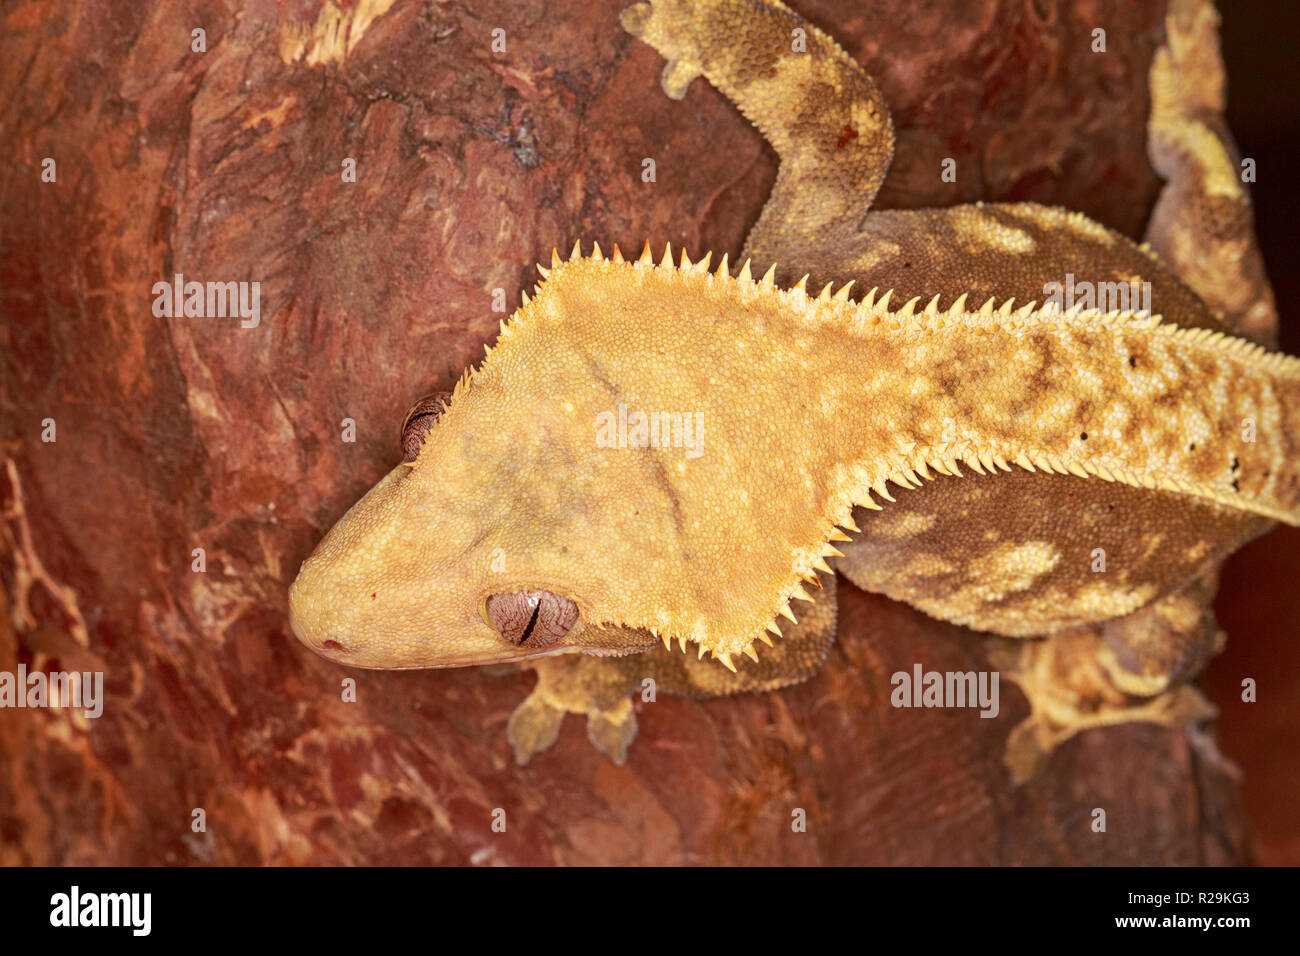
{"type": "Point", "coordinates": [532, 621]}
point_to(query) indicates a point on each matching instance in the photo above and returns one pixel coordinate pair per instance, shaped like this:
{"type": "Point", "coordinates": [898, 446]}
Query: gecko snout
{"type": "Point", "coordinates": [327, 647]}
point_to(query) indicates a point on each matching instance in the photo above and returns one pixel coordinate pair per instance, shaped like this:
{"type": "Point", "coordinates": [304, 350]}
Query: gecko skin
{"type": "Point", "coordinates": [665, 453]}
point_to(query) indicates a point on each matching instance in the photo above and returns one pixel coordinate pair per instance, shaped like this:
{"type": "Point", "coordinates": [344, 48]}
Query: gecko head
{"type": "Point", "coordinates": [458, 556]}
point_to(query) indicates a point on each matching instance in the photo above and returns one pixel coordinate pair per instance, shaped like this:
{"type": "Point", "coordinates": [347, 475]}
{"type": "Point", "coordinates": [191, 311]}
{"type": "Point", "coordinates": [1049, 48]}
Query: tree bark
{"type": "Point", "coordinates": [176, 434]}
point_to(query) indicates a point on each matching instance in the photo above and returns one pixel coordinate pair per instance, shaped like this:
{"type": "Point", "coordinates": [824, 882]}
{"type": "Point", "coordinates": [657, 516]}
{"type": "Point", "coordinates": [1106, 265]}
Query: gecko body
{"type": "Point", "coordinates": [667, 454]}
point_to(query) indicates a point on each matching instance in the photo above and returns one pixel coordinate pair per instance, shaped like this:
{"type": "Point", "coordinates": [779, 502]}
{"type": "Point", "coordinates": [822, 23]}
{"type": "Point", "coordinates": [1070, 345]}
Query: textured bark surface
{"type": "Point", "coordinates": [184, 433]}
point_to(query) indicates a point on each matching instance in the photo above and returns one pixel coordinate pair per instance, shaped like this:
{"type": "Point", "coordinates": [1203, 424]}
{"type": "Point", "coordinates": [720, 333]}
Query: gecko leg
{"type": "Point", "coordinates": [1155, 649]}
{"type": "Point", "coordinates": [1069, 689]}
{"type": "Point", "coordinates": [1132, 668]}
{"type": "Point", "coordinates": [575, 683]}
{"type": "Point", "coordinates": [604, 688]}
{"type": "Point", "coordinates": [822, 114]}
{"type": "Point", "coordinates": [1202, 225]}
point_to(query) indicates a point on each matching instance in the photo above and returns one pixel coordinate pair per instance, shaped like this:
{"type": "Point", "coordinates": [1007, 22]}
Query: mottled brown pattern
{"type": "Point", "coordinates": [1150, 539]}
{"type": "Point", "coordinates": [1202, 223]}
{"type": "Point", "coordinates": [802, 101]}
{"type": "Point", "coordinates": [922, 254]}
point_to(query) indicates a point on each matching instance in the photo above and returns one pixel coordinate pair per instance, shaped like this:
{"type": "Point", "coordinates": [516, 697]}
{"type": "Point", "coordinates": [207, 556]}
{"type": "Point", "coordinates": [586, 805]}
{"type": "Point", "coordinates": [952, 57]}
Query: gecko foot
{"type": "Point", "coordinates": [659, 25]}
{"type": "Point", "coordinates": [612, 731]}
{"type": "Point", "coordinates": [533, 726]}
{"type": "Point", "coordinates": [1036, 738]}
{"type": "Point", "coordinates": [1069, 690]}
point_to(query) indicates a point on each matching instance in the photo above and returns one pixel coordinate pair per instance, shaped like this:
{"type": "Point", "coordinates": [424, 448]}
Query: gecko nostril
{"type": "Point", "coordinates": [532, 618]}
{"type": "Point", "coordinates": [332, 646]}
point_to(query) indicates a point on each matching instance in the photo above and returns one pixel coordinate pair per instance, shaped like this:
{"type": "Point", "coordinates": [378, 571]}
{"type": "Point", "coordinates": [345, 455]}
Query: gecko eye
{"type": "Point", "coordinates": [423, 415]}
{"type": "Point", "coordinates": [531, 618]}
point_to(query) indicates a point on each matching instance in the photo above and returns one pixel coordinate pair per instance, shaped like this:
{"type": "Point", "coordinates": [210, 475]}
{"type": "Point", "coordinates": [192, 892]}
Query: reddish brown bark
{"type": "Point", "coordinates": [176, 434]}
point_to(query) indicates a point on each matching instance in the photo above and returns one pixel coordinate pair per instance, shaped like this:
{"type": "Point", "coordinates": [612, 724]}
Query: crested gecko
{"type": "Point", "coordinates": [660, 467]}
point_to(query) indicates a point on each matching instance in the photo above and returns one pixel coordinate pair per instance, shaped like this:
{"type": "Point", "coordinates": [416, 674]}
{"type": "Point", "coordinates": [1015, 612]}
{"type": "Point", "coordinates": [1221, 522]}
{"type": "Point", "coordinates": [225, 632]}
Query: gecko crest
{"type": "Point", "coordinates": [909, 452]}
